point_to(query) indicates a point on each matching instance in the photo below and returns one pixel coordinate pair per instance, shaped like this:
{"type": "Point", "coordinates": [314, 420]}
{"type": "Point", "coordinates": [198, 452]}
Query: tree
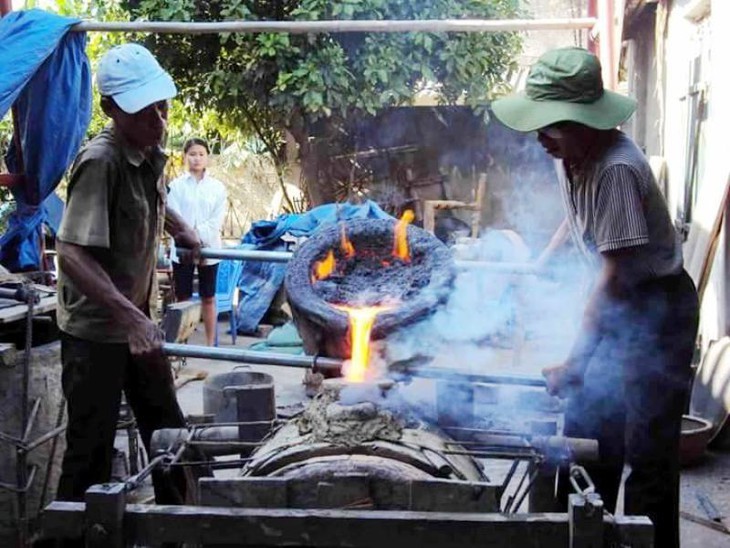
{"type": "Point", "coordinates": [271, 83]}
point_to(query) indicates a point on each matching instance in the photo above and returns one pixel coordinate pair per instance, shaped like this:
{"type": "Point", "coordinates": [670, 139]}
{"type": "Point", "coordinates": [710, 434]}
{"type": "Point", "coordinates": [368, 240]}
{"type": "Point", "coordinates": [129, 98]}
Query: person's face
{"type": "Point", "coordinates": [196, 158]}
{"type": "Point", "coordinates": [564, 140]}
{"type": "Point", "coordinates": [145, 128]}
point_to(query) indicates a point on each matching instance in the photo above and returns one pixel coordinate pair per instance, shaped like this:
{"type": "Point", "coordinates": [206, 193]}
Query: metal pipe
{"type": "Point", "coordinates": [284, 256]}
{"type": "Point", "coordinates": [19, 294]}
{"type": "Point", "coordinates": [246, 255]}
{"type": "Point", "coordinates": [315, 27]}
{"type": "Point", "coordinates": [479, 378]}
{"type": "Point", "coordinates": [251, 357]}
{"type": "Point", "coordinates": [212, 441]}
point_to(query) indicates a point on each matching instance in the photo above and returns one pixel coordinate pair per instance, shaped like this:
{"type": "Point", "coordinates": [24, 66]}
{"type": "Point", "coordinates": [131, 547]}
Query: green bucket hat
{"type": "Point", "coordinates": [564, 85]}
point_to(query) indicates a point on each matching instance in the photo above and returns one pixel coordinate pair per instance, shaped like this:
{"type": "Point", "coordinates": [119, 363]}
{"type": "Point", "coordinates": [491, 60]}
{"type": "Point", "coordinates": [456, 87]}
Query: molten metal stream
{"type": "Point", "coordinates": [361, 324]}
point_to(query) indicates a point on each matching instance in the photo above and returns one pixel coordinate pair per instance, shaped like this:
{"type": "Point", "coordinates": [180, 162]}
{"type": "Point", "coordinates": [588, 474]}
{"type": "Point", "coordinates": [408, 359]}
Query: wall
{"type": "Point", "coordinates": [659, 76]}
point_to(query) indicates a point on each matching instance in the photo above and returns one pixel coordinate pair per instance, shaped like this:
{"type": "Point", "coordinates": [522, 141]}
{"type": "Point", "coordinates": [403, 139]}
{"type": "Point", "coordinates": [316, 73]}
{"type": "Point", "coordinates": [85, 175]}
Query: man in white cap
{"type": "Point", "coordinates": [107, 248]}
{"type": "Point", "coordinates": [628, 374]}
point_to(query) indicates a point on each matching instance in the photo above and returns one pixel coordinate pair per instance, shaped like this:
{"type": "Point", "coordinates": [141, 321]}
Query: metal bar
{"type": "Point", "coordinates": [19, 294]}
{"type": "Point", "coordinates": [31, 420]}
{"type": "Point", "coordinates": [21, 489]}
{"type": "Point", "coordinates": [10, 439]}
{"type": "Point", "coordinates": [246, 255]}
{"type": "Point", "coordinates": [527, 489]}
{"type": "Point", "coordinates": [135, 481]}
{"type": "Point", "coordinates": [456, 375]}
{"type": "Point", "coordinates": [508, 478]}
{"type": "Point", "coordinates": [526, 269]}
{"type": "Point", "coordinates": [45, 437]}
{"type": "Point", "coordinates": [251, 356]}
{"type": "Point", "coordinates": [213, 465]}
{"type": "Point", "coordinates": [21, 462]}
{"type": "Point", "coordinates": [312, 27]}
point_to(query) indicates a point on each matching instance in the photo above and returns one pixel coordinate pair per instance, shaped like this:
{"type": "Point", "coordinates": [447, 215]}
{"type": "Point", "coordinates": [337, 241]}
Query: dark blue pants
{"type": "Point", "coordinates": [634, 394]}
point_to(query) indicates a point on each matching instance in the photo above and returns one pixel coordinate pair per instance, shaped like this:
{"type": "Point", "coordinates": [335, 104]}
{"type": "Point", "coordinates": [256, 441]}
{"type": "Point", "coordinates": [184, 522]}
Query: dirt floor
{"type": "Point", "coordinates": [710, 477]}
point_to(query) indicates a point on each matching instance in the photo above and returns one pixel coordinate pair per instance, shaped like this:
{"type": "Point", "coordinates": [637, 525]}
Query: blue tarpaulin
{"type": "Point", "coordinates": [46, 73]}
{"type": "Point", "coordinates": [259, 280]}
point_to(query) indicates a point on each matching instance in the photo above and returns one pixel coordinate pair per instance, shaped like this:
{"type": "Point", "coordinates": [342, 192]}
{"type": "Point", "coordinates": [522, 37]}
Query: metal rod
{"type": "Point", "coordinates": [251, 356]}
{"type": "Point", "coordinates": [528, 487]}
{"type": "Point", "coordinates": [246, 255]}
{"type": "Point", "coordinates": [212, 464]}
{"type": "Point", "coordinates": [21, 490]}
{"type": "Point", "coordinates": [311, 27]}
{"type": "Point", "coordinates": [19, 294]}
{"type": "Point", "coordinates": [480, 378]}
{"type": "Point", "coordinates": [135, 481]}
{"type": "Point", "coordinates": [44, 438]}
{"type": "Point", "coordinates": [31, 420]}
{"type": "Point", "coordinates": [21, 462]}
{"type": "Point", "coordinates": [526, 269]}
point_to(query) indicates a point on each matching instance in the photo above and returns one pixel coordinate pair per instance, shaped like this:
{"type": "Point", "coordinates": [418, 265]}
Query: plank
{"type": "Point", "coordinates": [19, 312]}
{"type": "Point", "coordinates": [339, 528]}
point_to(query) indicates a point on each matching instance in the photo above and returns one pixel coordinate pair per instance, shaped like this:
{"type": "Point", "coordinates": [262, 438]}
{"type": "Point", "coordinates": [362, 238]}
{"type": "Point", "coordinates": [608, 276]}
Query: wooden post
{"type": "Point", "coordinates": [585, 521]}
{"type": "Point", "coordinates": [104, 515]}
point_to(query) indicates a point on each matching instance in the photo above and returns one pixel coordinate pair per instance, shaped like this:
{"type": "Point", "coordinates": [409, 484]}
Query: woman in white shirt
{"type": "Point", "coordinates": [201, 201]}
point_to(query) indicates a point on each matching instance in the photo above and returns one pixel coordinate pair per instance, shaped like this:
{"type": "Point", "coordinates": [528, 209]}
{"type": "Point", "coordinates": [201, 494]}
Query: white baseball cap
{"type": "Point", "coordinates": [133, 78]}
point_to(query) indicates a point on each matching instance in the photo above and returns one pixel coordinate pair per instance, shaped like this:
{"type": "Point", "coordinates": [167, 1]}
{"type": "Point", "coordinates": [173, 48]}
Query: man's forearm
{"type": "Point", "coordinates": [93, 281]}
{"type": "Point", "coordinates": [589, 335]}
{"type": "Point", "coordinates": [175, 224]}
{"type": "Point", "coordinates": [556, 242]}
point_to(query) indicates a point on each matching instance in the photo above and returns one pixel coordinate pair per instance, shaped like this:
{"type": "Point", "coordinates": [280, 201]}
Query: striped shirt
{"type": "Point", "coordinates": [613, 202]}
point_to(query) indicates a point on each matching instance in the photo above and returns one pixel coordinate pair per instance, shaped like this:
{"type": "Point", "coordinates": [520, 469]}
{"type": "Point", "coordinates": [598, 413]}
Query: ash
{"type": "Point", "coordinates": [350, 416]}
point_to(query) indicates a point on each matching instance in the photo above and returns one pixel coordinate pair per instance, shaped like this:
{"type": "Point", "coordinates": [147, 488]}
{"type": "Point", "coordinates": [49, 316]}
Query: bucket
{"type": "Point", "coordinates": [696, 433]}
{"type": "Point", "coordinates": [241, 396]}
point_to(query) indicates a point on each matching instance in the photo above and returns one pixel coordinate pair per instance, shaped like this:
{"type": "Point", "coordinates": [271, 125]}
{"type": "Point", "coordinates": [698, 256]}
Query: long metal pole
{"type": "Point", "coordinates": [311, 27]}
{"type": "Point", "coordinates": [331, 364]}
{"type": "Point", "coordinates": [480, 378]}
{"type": "Point", "coordinates": [251, 357]}
{"type": "Point", "coordinates": [246, 255]}
{"type": "Point", "coordinates": [284, 256]}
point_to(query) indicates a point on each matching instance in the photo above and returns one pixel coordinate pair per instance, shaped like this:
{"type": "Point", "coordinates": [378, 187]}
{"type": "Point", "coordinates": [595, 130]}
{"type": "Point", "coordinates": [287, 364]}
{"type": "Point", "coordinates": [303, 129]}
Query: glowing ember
{"type": "Point", "coordinates": [324, 268]}
{"type": "Point", "coordinates": [400, 242]}
{"type": "Point", "coordinates": [347, 248]}
{"type": "Point", "coordinates": [361, 322]}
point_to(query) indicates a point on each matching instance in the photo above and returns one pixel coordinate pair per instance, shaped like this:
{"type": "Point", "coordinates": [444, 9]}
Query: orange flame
{"type": "Point", "coordinates": [322, 269]}
{"type": "Point", "coordinates": [400, 242]}
{"type": "Point", "coordinates": [347, 248]}
{"type": "Point", "coordinates": [361, 322]}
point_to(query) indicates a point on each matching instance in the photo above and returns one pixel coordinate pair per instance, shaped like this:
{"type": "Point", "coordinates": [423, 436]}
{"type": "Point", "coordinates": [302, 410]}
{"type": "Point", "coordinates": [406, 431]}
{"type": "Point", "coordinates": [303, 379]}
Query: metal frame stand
{"type": "Point", "coordinates": [22, 441]}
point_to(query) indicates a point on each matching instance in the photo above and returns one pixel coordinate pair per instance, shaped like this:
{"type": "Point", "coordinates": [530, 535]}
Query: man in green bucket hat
{"type": "Point", "coordinates": [628, 373]}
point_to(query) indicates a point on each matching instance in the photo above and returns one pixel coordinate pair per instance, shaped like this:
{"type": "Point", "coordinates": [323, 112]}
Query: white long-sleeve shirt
{"type": "Point", "coordinates": [203, 205]}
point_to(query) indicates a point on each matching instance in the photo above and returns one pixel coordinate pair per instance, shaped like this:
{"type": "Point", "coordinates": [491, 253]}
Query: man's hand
{"type": "Point", "coordinates": [561, 379]}
{"type": "Point", "coordinates": [191, 242]}
{"type": "Point", "coordinates": [145, 338]}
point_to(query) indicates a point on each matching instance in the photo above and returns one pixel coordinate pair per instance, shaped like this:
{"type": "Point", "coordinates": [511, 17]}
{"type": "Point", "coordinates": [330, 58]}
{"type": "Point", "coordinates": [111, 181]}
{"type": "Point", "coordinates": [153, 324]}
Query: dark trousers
{"type": "Point", "coordinates": [94, 375]}
{"type": "Point", "coordinates": [635, 391]}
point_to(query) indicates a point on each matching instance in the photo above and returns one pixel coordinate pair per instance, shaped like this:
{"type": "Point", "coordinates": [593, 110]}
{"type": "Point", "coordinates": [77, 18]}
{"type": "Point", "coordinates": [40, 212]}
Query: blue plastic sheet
{"type": "Point", "coordinates": [260, 281]}
{"type": "Point", "coordinates": [46, 73]}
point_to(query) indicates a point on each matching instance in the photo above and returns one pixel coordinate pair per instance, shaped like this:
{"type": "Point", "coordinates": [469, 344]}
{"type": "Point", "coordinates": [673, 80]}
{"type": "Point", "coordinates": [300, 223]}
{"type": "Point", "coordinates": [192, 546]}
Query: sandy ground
{"type": "Point", "coordinates": [711, 476]}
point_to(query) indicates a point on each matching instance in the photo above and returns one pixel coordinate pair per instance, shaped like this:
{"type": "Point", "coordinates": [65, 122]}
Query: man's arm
{"type": "Point", "coordinates": [614, 281]}
{"type": "Point", "coordinates": [92, 280]}
{"type": "Point", "coordinates": [556, 242]}
{"type": "Point", "coordinates": [183, 234]}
